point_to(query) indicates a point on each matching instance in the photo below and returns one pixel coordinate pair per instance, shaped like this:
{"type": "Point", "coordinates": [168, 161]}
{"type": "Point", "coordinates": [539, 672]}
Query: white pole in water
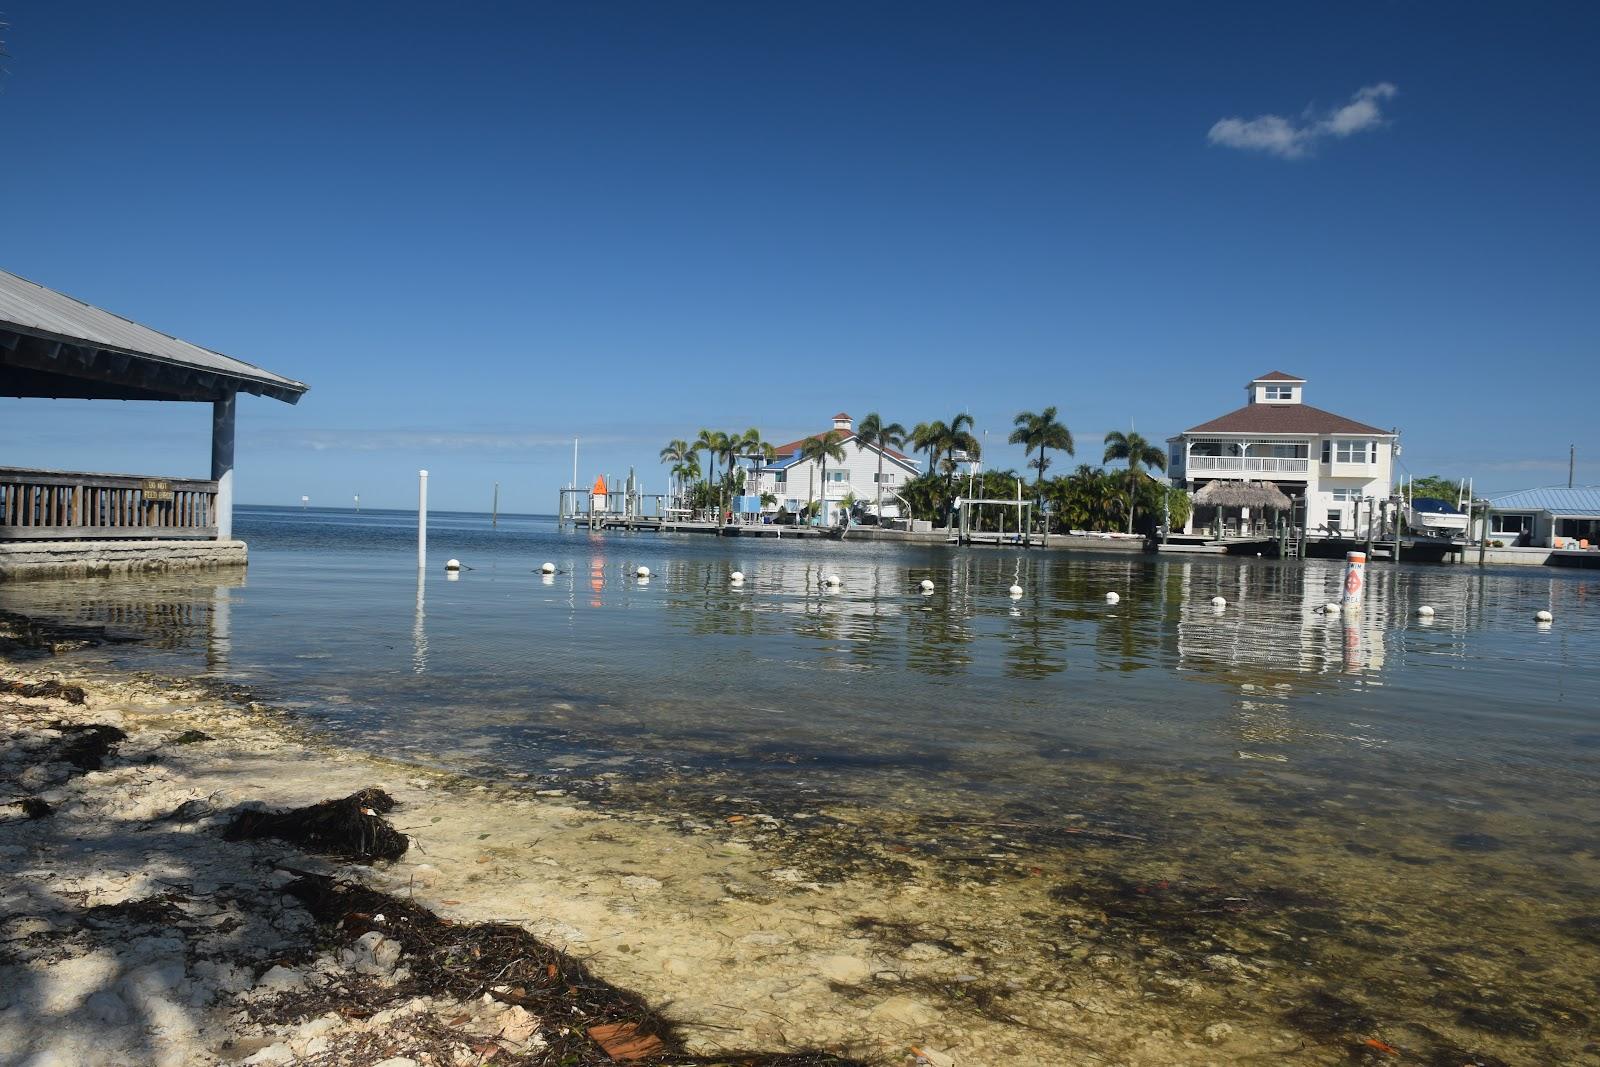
{"type": "Point", "coordinates": [574, 463]}
{"type": "Point", "coordinates": [1355, 578]}
{"type": "Point", "coordinates": [422, 519]}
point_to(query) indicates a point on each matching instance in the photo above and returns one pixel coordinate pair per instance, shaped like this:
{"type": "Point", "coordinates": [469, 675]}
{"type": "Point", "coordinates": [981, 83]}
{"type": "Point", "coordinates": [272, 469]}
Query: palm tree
{"type": "Point", "coordinates": [675, 453]}
{"type": "Point", "coordinates": [1136, 450]}
{"type": "Point", "coordinates": [819, 450]}
{"type": "Point", "coordinates": [925, 437]}
{"type": "Point", "coordinates": [955, 437]}
{"type": "Point", "coordinates": [1041, 431]}
{"type": "Point", "coordinates": [875, 433]}
{"type": "Point", "coordinates": [707, 442]}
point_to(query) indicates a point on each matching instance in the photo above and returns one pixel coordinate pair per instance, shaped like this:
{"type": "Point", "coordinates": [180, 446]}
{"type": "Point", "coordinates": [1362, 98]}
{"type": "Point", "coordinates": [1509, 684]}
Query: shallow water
{"type": "Point", "coordinates": [1335, 830]}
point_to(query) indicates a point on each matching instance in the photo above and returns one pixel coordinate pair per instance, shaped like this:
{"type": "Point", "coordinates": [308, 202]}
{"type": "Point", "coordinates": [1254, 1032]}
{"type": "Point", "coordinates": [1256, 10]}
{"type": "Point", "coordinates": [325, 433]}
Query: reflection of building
{"type": "Point", "coordinates": [1547, 518]}
{"type": "Point", "coordinates": [1324, 462]}
{"type": "Point", "coordinates": [1283, 636]}
{"type": "Point", "coordinates": [796, 482]}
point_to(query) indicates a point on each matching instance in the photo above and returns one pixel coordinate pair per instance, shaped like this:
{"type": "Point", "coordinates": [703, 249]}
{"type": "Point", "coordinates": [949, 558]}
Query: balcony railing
{"type": "Point", "coordinates": [1250, 464]}
{"type": "Point", "coordinates": [69, 506]}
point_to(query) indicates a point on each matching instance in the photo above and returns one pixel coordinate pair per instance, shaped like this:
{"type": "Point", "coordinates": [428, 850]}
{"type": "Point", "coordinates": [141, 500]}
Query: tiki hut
{"type": "Point", "coordinates": [1224, 495]}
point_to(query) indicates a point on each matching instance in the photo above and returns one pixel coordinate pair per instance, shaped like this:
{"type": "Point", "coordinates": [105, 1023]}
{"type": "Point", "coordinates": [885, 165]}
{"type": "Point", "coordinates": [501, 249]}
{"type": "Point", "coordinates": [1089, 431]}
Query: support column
{"type": "Point", "coordinates": [222, 423]}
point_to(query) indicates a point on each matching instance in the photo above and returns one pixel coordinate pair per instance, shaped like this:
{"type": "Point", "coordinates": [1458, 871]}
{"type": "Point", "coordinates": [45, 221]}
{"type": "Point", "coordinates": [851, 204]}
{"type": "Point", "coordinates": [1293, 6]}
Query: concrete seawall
{"type": "Point", "coordinates": [101, 559]}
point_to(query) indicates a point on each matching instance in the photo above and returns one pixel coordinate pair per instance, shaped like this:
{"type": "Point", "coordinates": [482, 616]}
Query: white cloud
{"type": "Point", "coordinates": [1289, 139]}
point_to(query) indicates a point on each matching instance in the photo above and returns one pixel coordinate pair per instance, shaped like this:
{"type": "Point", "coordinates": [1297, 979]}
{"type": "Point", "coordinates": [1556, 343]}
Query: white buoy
{"type": "Point", "coordinates": [831, 581]}
{"type": "Point", "coordinates": [641, 572]}
{"type": "Point", "coordinates": [1544, 616]}
{"type": "Point", "coordinates": [548, 568]}
{"type": "Point", "coordinates": [1219, 602]}
{"type": "Point", "coordinates": [926, 585]}
{"type": "Point", "coordinates": [1016, 591]}
{"type": "Point", "coordinates": [1113, 598]}
{"type": "Point", "coordinates": [1330, 609]}
{"type": "Point", "coordinates": [1425, 611]}
{"type": "Point", "coordinates": [452, 564]}
{"type": "Point", "coordinates": [737, 577]}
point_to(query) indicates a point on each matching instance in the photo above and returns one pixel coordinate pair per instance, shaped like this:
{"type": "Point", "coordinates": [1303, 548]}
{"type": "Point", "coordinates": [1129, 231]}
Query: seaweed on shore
{"type": "Point", "coordinates": [581, 1013]}
{"type": "Point", "coordinates": [72, 694]}
{"type": "Point", "coordinates": [21, 634]}
{"type": "Point", "coordinates": [352, 827]}
{"type": "Point", "coordinates": [34, 808]}
{"type": "Point", "coordinates": [84, 745]}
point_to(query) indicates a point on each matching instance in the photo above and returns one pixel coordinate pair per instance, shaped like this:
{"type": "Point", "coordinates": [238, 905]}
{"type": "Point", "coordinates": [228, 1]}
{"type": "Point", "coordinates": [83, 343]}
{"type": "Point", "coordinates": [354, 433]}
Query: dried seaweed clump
{"type": "Point", "coordinates": [72, 694]}
{"type": "Point", "coordinates": [85, 745]}
{"type": "Point", "coordinates": [353, 827]}
{"type": "Point", "coordinates": [586, 1020]}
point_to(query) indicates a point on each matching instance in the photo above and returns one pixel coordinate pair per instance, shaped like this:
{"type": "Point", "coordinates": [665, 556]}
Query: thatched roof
{"type": "Point", "coordinates": [1229, 494]}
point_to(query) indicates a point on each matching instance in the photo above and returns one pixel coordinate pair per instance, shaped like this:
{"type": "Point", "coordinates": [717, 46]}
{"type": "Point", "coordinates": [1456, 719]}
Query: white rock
{"type": "Point", "coordinates": [281, 978]}
{"type": "Point", "coordinates": [846, 969]}
{"type": "Point", "coordinates": [640, 883]}
{"type": "Point", "coordinates": [518, 1026]}
{"type": "Point", "coordinates": [904, 1011]}
{"type": "Point", "coordinates": [923, 950]}
{"type": "Point", "coordinates": [1217, 1032]}
{"type": "Point", "coordinates": [371, 954]}
{"type": "Point", "coordinates": [278, 1053]}
{"type": "Point", "coordinates": [106, 1007]}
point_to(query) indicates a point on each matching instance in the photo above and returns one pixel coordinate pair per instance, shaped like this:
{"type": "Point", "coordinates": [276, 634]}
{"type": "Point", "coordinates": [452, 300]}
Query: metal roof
{"type": "Point", "coordinates": [28, 307]}
{"type": "Point", "coordinates": [1557, 500]}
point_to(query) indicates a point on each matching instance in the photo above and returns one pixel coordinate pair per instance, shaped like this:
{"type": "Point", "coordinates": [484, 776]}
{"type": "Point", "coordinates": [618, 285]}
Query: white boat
{"type": "Point", "coordinates": [1431, 517]}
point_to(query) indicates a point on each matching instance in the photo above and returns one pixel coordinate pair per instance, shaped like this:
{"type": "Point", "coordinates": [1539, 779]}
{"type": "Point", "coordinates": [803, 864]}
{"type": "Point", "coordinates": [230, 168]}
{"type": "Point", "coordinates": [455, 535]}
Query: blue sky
{"type": "Point", "coordinates": [479, 229]}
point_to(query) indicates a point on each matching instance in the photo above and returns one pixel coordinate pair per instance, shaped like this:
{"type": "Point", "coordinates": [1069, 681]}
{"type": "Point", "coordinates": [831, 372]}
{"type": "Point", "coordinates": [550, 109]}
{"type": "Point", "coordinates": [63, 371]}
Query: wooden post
{"type": "Point", "coordinates": [222, 427]}
{"type": "Point", "coordinates": [1483, 532]}
{"type": "Point", "coordinates": [1372, 514]}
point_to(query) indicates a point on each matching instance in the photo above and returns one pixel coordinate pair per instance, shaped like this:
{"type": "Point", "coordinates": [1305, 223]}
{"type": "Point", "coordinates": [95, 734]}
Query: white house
{"type": "Point", "coordinates": [1325, 463]}
{"type": "Point", "coordinates": [1558, 517]}
{"type": "Point", "coordinates": [796, 482]}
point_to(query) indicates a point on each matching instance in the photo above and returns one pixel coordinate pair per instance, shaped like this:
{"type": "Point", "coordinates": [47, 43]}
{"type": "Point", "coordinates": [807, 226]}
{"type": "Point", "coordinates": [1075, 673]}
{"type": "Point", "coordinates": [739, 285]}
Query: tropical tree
{"type": "Point", "coordinates": [1137, 452]}
{"type": "Point", "coordinates": [820, 449]}
{"type": "Point", "coordinates": [875, 433]}
{"type": "Point", "coordinates": [1433, 485]}
{"type": "Point", "coordinates": [925, 437]}
{"type": "Point", "coordinates": [1041, 431]}
{"type": "Point", "coordinates": [675, 453]}
{"type": "Point", "coordinates": [709, 442]}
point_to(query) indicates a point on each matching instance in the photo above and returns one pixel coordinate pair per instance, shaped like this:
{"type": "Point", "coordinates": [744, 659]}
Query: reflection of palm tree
{"type": "Point", "coordinates": [1041, 431]}
{"type": "Point", "coordinates": [819, 450]}
{"type": "Point", "coordinates": [875, 433]}
{"type": "Point", "coordinates": [1136, 450]}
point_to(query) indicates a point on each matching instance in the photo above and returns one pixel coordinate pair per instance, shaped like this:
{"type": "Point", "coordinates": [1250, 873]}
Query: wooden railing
{"type": "Point", "coordinates": [67, 505]}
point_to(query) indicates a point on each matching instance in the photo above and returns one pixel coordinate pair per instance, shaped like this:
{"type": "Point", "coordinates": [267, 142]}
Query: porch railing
{"type": "Point", "coordinates": [1262, 464]}
{"type": "Point", "coordinates": [71, 506]}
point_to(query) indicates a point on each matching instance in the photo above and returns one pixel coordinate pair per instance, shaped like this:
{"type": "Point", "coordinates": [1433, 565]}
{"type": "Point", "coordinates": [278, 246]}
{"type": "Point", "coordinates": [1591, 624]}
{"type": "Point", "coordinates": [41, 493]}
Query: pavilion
{"type": "Point", "coordinates": [64, 523]}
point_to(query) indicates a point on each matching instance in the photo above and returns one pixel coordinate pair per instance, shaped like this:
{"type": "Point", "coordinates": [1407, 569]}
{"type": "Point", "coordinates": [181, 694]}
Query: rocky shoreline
{"type": "Point", "coordinates": [132, 932]}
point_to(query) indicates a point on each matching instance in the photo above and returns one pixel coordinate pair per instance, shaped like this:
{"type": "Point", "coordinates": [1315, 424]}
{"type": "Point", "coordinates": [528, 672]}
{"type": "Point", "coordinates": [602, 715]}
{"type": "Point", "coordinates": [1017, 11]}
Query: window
{"type": "Point", "coordinates": [1585, 529]}
{"type": "Point", "coordinates": [1335, 518]}
{"type": "Point", "coordinates": [1350, 451]}
{"type": "Point", "coordinates": [1279, 392]}
{"type": "Point", "coordinates": [837, 476]}
{"type": "Point", "coordinates": [887, 477]}
{"type": "Point", "coordinates": [780, 479]}
{"type": "Point", "coordinates": [1510, 524]}
{"type": "Point", "coordinates": [1284, 451]}
{"type": "Point", "coordinates": [1345, 496]}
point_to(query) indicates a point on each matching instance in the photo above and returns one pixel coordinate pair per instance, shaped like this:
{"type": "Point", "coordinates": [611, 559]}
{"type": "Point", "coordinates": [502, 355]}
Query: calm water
{"type": "Point", "coordinates": [1438, 781]}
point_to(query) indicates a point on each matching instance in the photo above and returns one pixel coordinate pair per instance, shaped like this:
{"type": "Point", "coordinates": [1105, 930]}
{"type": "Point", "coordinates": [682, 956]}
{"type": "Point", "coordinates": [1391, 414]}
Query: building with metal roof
{"type": "Point", "coordinates": [54, 346]}
{"type": "Point", "coordinates": [1559, 517]}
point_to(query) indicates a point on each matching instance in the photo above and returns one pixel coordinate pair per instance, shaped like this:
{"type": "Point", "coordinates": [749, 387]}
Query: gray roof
{"type": "Point", "coordinates": [29, 308]}
{"type": "Point", "coordinates": [1558, 500]}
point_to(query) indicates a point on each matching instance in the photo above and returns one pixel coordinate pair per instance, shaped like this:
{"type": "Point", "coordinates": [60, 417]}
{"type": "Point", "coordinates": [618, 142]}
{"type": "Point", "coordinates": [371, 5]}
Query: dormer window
{"type": "Point", "coordinates": [1280, 392]}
